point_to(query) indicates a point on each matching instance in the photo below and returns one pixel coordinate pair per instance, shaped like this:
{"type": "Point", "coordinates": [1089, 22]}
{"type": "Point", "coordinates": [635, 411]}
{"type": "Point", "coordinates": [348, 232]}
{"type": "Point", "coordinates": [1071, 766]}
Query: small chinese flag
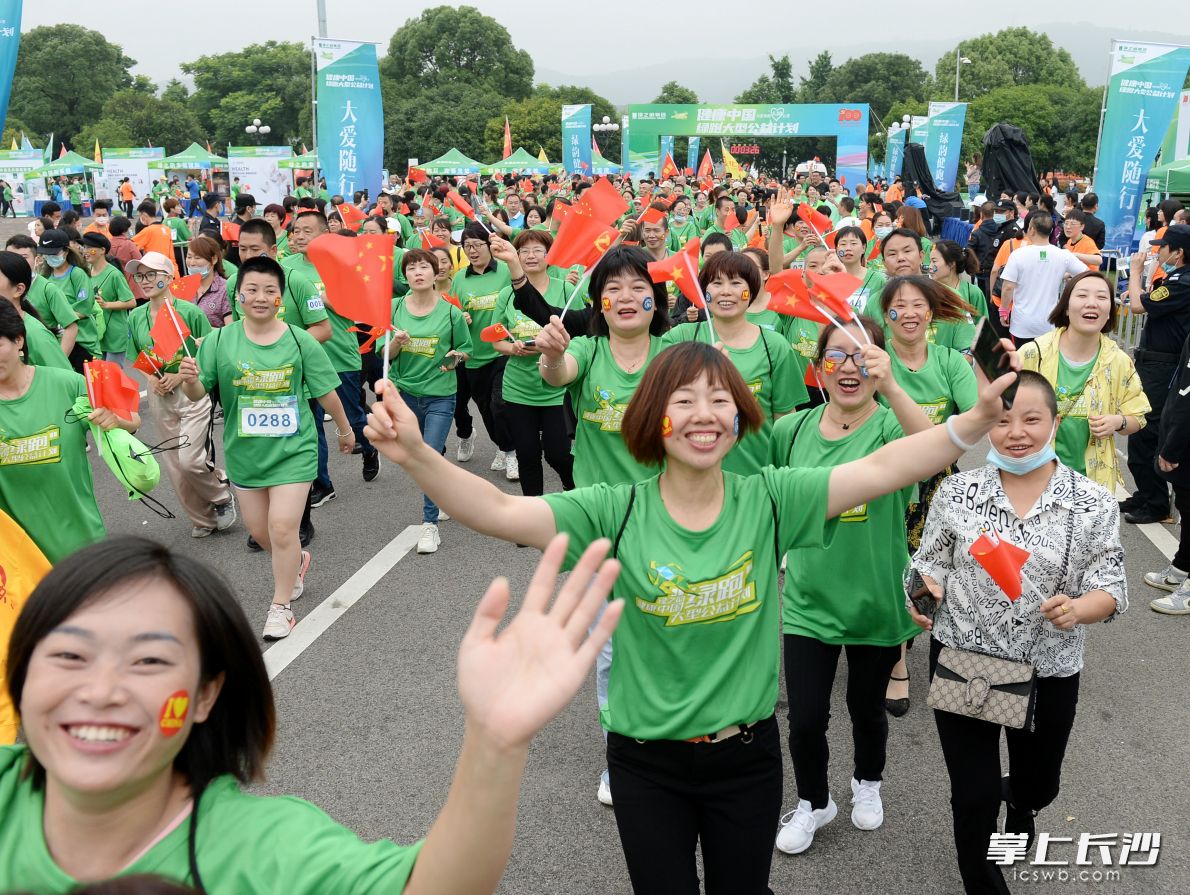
{"type": "Point", "coordinates": [169, 331]}
{"type": "Point", "coordinates": [417, 175]}
{"type": "Point", "coordinates": [1002, 560]}
{"type": "Point", "coordinates": [788, 295]}
{"type": "Point", "coordinates": [230, 232]}
{"type": "Point", "coordinates": [461, 205]}
{"type": "Point", "coordinates": [494, 333]}
{"type": "Point", "coordinates": [429, 240]}
{"type": "Point", "coordinates": [148, 364]}
{"type": "Point", "coordinates": [757, 240]}
{"type": "Point", "coordinates": [669, 168]}
{"type": "Point", "coordinates": [352, 215]}
{"type": "Point", "coordinates": [682, 269]}
{"type": "Point", "coordinates": [109, 387]}
{"type": "Point", "coordinates": [452, 299]}
{"type": "Point", "coordinates": [816, 219]}
{"type": "Point", "coordinates": [357, 274]}
{"type": "Point", "coordinates": [601, 202]}
{"type": "Point", "coordinates": [834, 290]}
{"type": "Point", "coordinates": [706, 168]}
{"type": "Point", "coordinates": [732, 223]}
{"type": "Point", "coordinates": [581, 241]}
{"type": "Point", "coordinates": [652, 216]}
{"type": "Point", "coordinates": [187, 287]}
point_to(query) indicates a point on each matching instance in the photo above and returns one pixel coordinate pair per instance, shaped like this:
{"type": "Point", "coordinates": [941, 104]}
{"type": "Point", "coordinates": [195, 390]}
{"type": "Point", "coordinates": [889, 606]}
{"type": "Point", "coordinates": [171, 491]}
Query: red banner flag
{"type": "Point", "coordinates": [581, 240]}
{"type": "Point", "coordinates": [110, 388]}
{"type": "Point", "coordinates": [1002, 561]}
{"type": "Point", "coordinates": [706, 168]}
{"type": "Point", "coordinates": [788, 295]}
{"type": "Point", "coordinates": [731, 223]}
{"type": "Point", "coordinates": [452, 299]}
{"type": "Point", "coordinates": [669, 168]}
{"type": "Point", "coordinates": [682, 269]}
{"type": "Point", "coordinates": [352, 215]}
{"type": "Point", "coordinates": [601, 202]}
{"type": "Point", "coordinates": [429, 240]}
{"type": "Point", "coordinates": [417, 175]}
{"type": "Point", "coordinates": [357, 274]}
{"type": "Point", "coordinates": [230, 232]}
{"type": "Point", "coordinates": [186, 288]}
{"type": "Point", "coordinates": [494, 333]}
{"type": "Point", "coordinates": [461, 205]}
{"type": "Point", "coordinates": [507, 138]}
{"type": "Point", "coordinates": [816, 219]}
{"type": "Point", "coordinates": [169, 332]}
{"type": "Point", "coordinates": [651, 216]}
{"type": "Point", "coordinates": [834, 290]}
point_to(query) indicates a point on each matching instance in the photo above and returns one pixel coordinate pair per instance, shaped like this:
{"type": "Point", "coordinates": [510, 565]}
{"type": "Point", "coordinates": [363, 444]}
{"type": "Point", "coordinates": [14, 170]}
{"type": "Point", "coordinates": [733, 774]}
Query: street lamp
{"type": "Point", "coordinates": [606, 126]}
{"type": "Point", "coordinates": [257, 128]}
{"type": "Point", "coordinates": [959, 61]}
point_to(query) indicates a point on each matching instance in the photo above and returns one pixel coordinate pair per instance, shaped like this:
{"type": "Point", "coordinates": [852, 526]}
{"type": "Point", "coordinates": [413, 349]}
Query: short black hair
{"type": "Point", "coordinates": [237, 736]}
{"type": "Point", "coordinates": [261, 228]}
{"type": "Point", "coordinates": [104, 204]}
{"type": "Point", "coordinates": [1090, 202]}
{"type": "Point", "coordinates": [21, 241]}
{"type": "Point", "coordinates": [1033, 379]}
{"type": "Point", "coordinates": [717, 238]}
{"type": "Point", "coordinates": [262, 264]}
{"type": "Point", "coordinates": [49, 208]}
{"type": "Point", "coordinates": [119, 226]}
{"type": "Point", "coordinates": [149, 207]}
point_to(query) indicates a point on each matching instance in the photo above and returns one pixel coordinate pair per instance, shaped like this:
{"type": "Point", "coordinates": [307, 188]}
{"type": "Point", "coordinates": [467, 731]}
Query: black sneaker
{"type": "Point", "coordinates": [357, 448]}
{"type": "Point", "coordinates": [1128, 505]}
{"type": "Point", "coordinates": [306, 533]}
{"type": "Point", "coordinates": [253, 546]}
{"type": "Point", "coordinates": [1146, 516]}
{"type": "Point", "coordinates": [1017, 820]}
{"type": "Point", "coordinates": [320, 495]}
{"type": "Point", "coordinates": [371, 465]}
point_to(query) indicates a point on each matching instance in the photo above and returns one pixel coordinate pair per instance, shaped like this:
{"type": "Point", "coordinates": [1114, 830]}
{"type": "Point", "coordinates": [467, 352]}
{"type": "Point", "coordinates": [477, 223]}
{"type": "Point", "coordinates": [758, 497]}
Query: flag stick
{"type": "Point", "coordinates": [387, 339]}
{"type": "Point", "coordinates": [578, 287]}
{"type": "Point", "coordinates": [174, 320]}
{"type": "Point", "coordinates": [831, 317]}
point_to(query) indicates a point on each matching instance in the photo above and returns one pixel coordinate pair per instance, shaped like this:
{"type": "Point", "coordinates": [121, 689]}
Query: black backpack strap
{"type": "Point", "coordinates": [623, 523]}
{"type": "Point", "coordinates": [776, 533]}
{"type": "Point", "coordinates": [215, 402]}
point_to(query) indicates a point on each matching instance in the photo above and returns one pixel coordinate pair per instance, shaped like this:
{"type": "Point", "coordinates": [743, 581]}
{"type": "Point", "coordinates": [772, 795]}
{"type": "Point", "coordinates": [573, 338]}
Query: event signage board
{"type": "Point", "coordinates": [576, 138]}
{"type": "Point", "coordinates": [131, 162]}
{"type": "Point", "coordinates": [1142, 96]}
{"type": "Point", "coordinates": [14, 164]}
{"type": "Point", "coordinates": [10, 42]}
{"type": "Point", "coordinates": [692, 153]}
{"type": "Point", "coordinates": [350, 116]}
{"type": "Point", "coordinates": [895, 155]}
{"type": "Point", "coordinates": [259, 174]}
{"type": "Point", "coordinates": [944, 142]}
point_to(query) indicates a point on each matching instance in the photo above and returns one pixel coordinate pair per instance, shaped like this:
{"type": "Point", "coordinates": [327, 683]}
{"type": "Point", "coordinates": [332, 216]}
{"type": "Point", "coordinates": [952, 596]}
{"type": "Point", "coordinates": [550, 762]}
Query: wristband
{"type": "Point", "coordinates": [954, 437]}
{"type": "Point", "coordinates": [541, 363]}
{"type": "Point", "coordinates": [1123, 423]}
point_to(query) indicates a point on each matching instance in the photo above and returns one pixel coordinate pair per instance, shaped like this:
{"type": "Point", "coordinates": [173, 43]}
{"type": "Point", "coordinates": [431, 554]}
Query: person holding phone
{"type": "Point", "coordinates": [1073, 577]}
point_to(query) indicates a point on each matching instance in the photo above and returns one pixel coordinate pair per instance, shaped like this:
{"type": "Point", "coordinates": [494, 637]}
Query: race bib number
{"type": "Point", "coordinates": [269, 417]}
{"type": "Point", "coordinates": [314, 303]}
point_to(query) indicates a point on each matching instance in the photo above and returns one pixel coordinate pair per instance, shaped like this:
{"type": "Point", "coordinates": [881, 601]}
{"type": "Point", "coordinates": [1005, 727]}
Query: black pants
{"type": "Point", "coordinates": [972, 751]}
{"type": "Point", "coordinates": [670, 796]}
{"type": "Point", "coordinates": [536, 430]}
{"type": "Point", "coordinates": [1181, 499]}
{"type": "Point", "coordinates": [484, 386]}
{"type": "Point", "coordinates": [809, 675]}
{"type": "Point", "coordinates": [1152, 491]}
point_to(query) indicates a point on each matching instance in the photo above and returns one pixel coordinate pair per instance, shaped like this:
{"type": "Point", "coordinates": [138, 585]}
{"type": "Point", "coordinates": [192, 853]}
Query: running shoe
{"type": "Point", "coordinates": [799, 826]}
{"type": "Point", "coordinates": [201, 531]}
{"type": "Point", "coordinates": [225, 514]}
{"type": "Point", "coordinates": [429, 540]}
{"type": "Point", "coordinates": [1177, 603]}
{"type": "Point", "coordinates": [499, 461]}
{"type": "Point", "coordinates": [320, 495]}
{"type": "Point", "coordinates": [299, 586]}
{"type": "Point", "coordinates": [1168, 578]}
{"type": "Point", "coordinates": [512, 469]}
{"type": "Point", "coordinates": [279, 623]}
{"type": "Point", "coordinates": [867, 812]}
{"type": "Point", "coordinates": [605, 789]}
{"type": "Point", "coordinates": [371, 466]}
{"type": "Point", "coordinates": [466, 449]}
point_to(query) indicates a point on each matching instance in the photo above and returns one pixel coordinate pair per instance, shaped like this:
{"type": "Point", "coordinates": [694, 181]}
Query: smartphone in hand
{"type": "Point", "coordinates": [919, 595]}
{"type": "Point", "coordinates": [989, 354]}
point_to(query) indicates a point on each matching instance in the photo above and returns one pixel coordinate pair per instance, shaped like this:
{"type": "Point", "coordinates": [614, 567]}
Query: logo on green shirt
{"type": "Point", "coordinates": [855, 514]}
{"type": "Point", "coordinates": [721, 599]}
{"type": "Point", "coordinates": [482, 302]}
{"type": "Point", "coordinates": [935, 410]}
{"type": "Point", "coordinates": [755, 386]}
{"type": "Point", "coordinates": [40, 448]}
{"type": "Point", "coordinates": [264, 380]}
{"type": "Point", "coordinates": [806, 344]}
{"type": "Point", "coordinates": [608, 415]}
{"type": "Point", "coordinates": [427, 346]}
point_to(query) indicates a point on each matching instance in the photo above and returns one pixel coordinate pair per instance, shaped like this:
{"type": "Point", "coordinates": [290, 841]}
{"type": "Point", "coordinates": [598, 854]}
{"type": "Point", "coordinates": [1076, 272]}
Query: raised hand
{"type": "Point", "coordinates": [392, 426]}
{"type": "Point", "coordinates": [515, 681]}
{"type": "Point", "coordinates": [553, 339]}
{"type": "Point", "coordinates": [780, 209]}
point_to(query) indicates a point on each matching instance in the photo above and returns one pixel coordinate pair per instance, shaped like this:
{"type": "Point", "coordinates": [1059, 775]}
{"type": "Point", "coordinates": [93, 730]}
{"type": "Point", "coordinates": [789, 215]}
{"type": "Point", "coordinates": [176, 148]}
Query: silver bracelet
{"type": "Point", "coordinates": [342, 434]}
{"type": "Point", "coordinates": [954, 436]}
{"type": "Point", "coordinates": [541, 363]}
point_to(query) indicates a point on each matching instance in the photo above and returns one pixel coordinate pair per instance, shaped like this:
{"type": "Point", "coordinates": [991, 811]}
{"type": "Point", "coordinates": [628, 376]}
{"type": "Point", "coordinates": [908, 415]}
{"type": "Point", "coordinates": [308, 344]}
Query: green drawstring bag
{"type": "Point", "coordinates": [126, 456]}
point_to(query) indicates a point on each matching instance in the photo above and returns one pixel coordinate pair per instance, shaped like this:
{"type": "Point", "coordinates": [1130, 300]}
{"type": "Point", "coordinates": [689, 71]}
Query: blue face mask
{"type": "Point", "coordinates": [999, 218]}
{"type": "Point", "coordinates": [882, 232]}
{"type": "Point", "coordinates": [1028, 463]}
{"type": "Point", "coordinates": [1169, 268]}
{"type": "Point", "coordinates": [201, 271]}
{"type": "Point", "coordinates": [55, 261]}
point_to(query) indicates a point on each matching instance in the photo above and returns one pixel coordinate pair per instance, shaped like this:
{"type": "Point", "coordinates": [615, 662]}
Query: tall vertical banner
{"type": "Point", "coordinates": [919, 129]}
{"type": "Point", "coordinates": [894, 158]}
{"type": "Point", "coordinates": [692, 153]}
{"type": "Point", "coordinates": [1142, 95]}
{"type": "Point", "coordinates": [576, 138]}
{"type": "Point", "coordinates": [10, 43]}
{"type": "Point", "coordinates": [667, 148]}
{"type": "Point", "coordinates": [944, 142]}
{"type": "Point", "coordinates": [350, 116]}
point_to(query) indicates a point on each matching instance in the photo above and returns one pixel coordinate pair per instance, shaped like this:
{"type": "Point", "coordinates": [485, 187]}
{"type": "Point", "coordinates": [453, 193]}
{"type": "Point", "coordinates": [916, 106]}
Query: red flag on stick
{"type": "Point", "coordinates": [1002, 560]}
{"type": "Point", "coordinates": [187, 287]}
{"type": "Point", "coordinates": [706, 168]}
{"type": "Point", "coordinates": [417, 175]}
{"type": "Point", "coordinates": [834, 290]}
{"type": "Point", "coordinates": [682, 269]}
{"type": "Point", "coordinates": [669, 168]}
{"type": "Point", "coordinates": [169, 332]}
{"type": "Point", "coordinates": [429, 240]}
{"type": "Point", "coordinates": [452, 299]}
{"type": "Point", "coordinates": [507, 138]}
{"type": "Point", "coordinates": [651, 216]}
{"type": "Point", "coordinates": [788, 295]}
{"type": "Point", "coordinates": [494, 333]}
{"type": "Point", "coordinates": [461, 205]}
{"type": "Point", "coordinates": [148, 364]}
{"type": "Point", "coordinates": [357, 274]}
{"type": "Point", "coordinates": [816, 219]}
{"type": "Point", "coordinates": [581, 241]}
{"type": "Point", "coordinates": [229, 231]}
{"type": "Point", "coordinates": [601, 202]}
{"type": "Point", "coordinates": [352, 215]}
{"type": "Point", "coordinates": [110, 388]}
{"type": "Point", "coordinates": [731, 223]}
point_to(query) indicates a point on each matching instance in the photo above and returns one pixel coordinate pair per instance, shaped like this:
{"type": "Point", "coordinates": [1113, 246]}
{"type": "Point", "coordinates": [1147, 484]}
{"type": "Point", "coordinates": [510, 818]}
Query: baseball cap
{"type": "Point", "coordinates": [154, 261]}
{"type": "Point", "coordinates": [53, 242]}
{"type": "Point", "coordinates": [915, 202]}
{"type": "Point", "coordinates": [245, 200]}
{"type": "Point", "coordinates": [1006, 205]}
{"type": "Point", "coordinates": [1177, 236]}
{"type": "Point", "coordinates": [96, 240]}
{"type": "Point", "coordinates": [211, 199]}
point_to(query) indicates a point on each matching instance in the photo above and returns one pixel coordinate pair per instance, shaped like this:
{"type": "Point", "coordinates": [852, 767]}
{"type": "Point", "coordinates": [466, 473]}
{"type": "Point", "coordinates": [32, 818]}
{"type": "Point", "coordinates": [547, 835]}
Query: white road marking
{"type": "Point", "coordinates": [330, 610]}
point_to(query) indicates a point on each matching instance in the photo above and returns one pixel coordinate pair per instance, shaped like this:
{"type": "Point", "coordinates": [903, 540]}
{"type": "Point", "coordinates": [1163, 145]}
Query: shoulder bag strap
{"type": "Point", "coordinates": [623, 524]}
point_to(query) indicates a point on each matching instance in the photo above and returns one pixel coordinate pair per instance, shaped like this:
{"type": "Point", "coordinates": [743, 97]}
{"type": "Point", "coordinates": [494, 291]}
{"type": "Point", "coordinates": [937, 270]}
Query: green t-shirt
{"type": "Point", "coordinates": [45, 479]}
{"type": "Point", "coordinates": [599, 394]}
{"type": "Point", "coordinates": [798, 262]}
{"type": "Point", "coordinates": [943, 386]}
{"type": "Point", "coordinates": [75, 284]}
{"type": "Point", "coordinates": [870, 609]}
{"type": "Point", "coordinates": [301, 305]}
{"type": "Point", "coordinates": [737, 237]}
{"type": "Point", "coordinates": [301, 193]}
{"type": "Point", "coordinates": [478, 293]}
{"type": "Point", "coordinates": [416, 367]}
{"type": "Point", "coordinates": [282, 245]}
{"type": "Point", "coordinates": [522, 380]}
{"type": "Point", "coordinates": [697, 647]}
{"type": "Point", "coordinates": [111, 285]}
{"type": "Point", "coordinates": [342, 348]}
{"type": "Point", "coordinates": [140, 321]}
{"type": "Point", "coordinates": [51, 305]}
{"type": "Point", "coordinates": [771, 373]}
{"type": "Point", "coordinates": [868, 295]}
{"type": "Point", "coordinates": [1074, 430]}
{"type": "Point", "coordinates": [680, 234]}
{"type": "Point", "coordinates": [333, 857]}
{"type": "Point", "coordinates": [180, 229]}
{"type": "Point", "coordinates": [268, 429]}
{"type": "Point", "coordinates": [75, 194]}
{"type": "Point", "coordinates": [704, 217]}
{"type": "Point", "coordinates": [41, 348]}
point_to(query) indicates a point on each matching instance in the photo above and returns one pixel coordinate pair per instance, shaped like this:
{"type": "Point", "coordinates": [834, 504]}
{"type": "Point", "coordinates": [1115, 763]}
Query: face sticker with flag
{"type": "Point", "coordinates": [1002, 560]}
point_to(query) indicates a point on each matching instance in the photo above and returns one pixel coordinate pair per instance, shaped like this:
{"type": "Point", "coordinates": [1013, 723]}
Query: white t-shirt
{"type": "Point", "coordinates": [1039, 273]}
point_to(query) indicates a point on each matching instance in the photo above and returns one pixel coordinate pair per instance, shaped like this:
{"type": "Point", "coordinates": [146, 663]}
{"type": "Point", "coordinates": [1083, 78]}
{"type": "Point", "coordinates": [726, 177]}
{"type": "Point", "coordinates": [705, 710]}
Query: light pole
{"type": "Point", "coordinates": [959, 61]}
{"type": "Point", "coordinates": [606, 126]}
{"type": "Point", "coordinates": [257, 128]}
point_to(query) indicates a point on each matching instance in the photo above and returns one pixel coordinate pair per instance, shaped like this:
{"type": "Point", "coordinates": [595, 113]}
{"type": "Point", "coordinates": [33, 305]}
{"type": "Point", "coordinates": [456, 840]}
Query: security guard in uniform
{"type": "Point", "coordinates": [1167, 304]}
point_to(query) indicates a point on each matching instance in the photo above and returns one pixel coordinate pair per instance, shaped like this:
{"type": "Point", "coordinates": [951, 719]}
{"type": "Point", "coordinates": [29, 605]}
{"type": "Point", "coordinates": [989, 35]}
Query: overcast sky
{"type": "Point", "coordinates": [563, 38]}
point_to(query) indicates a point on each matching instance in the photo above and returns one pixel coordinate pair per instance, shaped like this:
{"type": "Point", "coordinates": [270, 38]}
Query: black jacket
{"type": "Point", "coordinates": [1095, 229]}
{"type": "Point", "coordinates": [981, 244]}
{"type": "Point", "coordinates": [1173, 439]}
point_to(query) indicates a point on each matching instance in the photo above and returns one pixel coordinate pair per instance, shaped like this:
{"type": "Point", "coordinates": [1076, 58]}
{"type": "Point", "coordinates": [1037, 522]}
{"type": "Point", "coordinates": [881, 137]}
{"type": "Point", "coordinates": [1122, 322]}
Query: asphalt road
{"type": "Point", "coordinates": [370, 722]}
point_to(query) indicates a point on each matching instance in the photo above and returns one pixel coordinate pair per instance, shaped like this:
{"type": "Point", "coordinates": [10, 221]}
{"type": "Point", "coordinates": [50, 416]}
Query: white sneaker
{"type": "Point", "coordinates": [225, 514]}
{"type": "Point", "coordinates": [1177, 603]}
{"type": "Point", "coordinates": [429, 540]}
{"type": "Point", "coordinates": [1168, 578]}
{"type": "Point", "coordinates": [798, 826]}
{"type": "Point", "coordinates": [279, 623]}
{"type": "Point", "coordinates": [299, 586]}
{"type": "Point", "coordinates": [498, 462]}
{"type": "Point", "coordinates": [868, 810]}
{"type": "Point", "coordinates": [512, 469]}
{"type": "Point", "coordinates": [201, 531]}
{"type": "Point", "coordinates": [466, 449]}
{"type": "Point", "coordinates": [443, 516]}
{"type": "Point", "coordinates": [605, 790]}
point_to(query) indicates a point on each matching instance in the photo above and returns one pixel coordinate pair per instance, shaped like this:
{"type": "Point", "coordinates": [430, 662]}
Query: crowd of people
{"type": "Point", "coordinates": [719, 459]}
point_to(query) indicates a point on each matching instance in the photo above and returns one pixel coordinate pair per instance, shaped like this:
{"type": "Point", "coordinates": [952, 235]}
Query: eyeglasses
{"type": "Point", "coordinates": [837, 356]}
{"type": "Point", "coordinates": [144, 276]}
{"type": "Point", "coordinates": [474, 246]}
